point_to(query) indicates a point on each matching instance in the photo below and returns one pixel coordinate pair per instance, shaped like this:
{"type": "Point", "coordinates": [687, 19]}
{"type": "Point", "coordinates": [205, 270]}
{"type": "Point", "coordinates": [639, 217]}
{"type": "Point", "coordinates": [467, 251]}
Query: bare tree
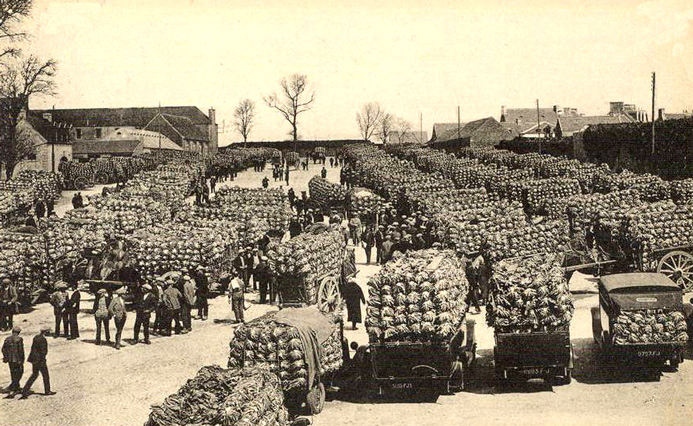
{"type": "Point", "coordinates": [385, 126]}
{"type": "Point", "coordinates": [368, 119]}
{"type": "Point", "coordinates": [244, 115]}
{"type": "Point", "coordinates": [295, 99]}
{"type": "Point", "coordinates": [11, 13]}
{"type": "Point", "coordinates": [19, 80]}
{"type": "Point", "coordinates": [401, 127]}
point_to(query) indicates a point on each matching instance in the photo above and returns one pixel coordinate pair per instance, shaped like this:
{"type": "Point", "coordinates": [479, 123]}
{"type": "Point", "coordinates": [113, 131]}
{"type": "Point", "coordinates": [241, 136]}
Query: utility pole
{"type": "Point", "coordinates": [538, 126]}
{"type": "Point", "coordinates": [421, 126]}
{"type": "Point", "coordinates": [653, 113]}
{"type": "Point", "coordinates": [458, 122]}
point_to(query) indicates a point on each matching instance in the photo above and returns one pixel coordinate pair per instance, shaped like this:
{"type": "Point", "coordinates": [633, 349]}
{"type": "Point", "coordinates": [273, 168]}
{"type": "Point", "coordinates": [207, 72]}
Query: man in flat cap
{"type": "Point", "coordinates": [145, 305]}
{"type": "Point", "coordinates": [58, 300]}
{"type": "Point", "coordinates": [37, 358]}
{"type": "Point", "coordinates": [116, 310]}
{"type": "Point", "coordinates": [13, 355]}
{"type": "Point", "coordinates": [8, 303]}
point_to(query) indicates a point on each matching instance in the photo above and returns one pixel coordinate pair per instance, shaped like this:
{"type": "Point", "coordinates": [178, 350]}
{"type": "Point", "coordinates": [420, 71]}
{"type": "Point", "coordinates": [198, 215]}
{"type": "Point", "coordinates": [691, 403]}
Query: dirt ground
{"type": "Point", "coordinates": [98, 385]}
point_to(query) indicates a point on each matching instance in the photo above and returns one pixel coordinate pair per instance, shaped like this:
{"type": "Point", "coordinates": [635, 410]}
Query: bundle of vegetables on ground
{"type": "Point", "coordinates": [587, 174]}
{"type": "Point", "coordinates": [39, 184]}
{"type": "Point", "coordinates": [657, 190]}
{"type": "Point", "coordinates": [325, 192]}
{"type": "Point", "coordinates": [307, 257]}
{"type": "Point", "coordinates": [682, 191]}
{"type": "Point", "coordinates": [273, 341]}
{"type": "Point", "coordinates": [583, 209]}
{"type": "Point", "coordinates": [174, 247]}
{"type": "Point", "coordinates": [649, 326]}
{"type": "Point", "coordinates": [465, 230]}
{"type": "Point", "coordinates": [451, 199]}
{"type": "Point", "coordinates": [608, 182]}
{"type": "Point", "coordinates": [122, 203]}
{"type": "Point", "coordinates": [364, 202]}
{"type": "Point", "coordinates": [538, 194]}
{"type": "Point", "coordinates": [550, 236]}
{"type": "Point", "coordinates": [529, 294]}
{"type": "Point", "coordinates": [242, 204]}
{"type": "Point", "coordinates": [231, 397]}
{"type": "Point", "coordinates": [24, 257]}
{"type": "Point", "coordinates": [117, 223]}
{"type": "Point", "coordinates": [417, 297]}
{"type": "Point", "coordinates": [508, 183]}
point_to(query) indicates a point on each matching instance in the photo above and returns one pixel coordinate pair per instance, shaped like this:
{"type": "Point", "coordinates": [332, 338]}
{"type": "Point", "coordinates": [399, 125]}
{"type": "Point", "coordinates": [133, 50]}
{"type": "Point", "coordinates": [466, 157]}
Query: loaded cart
{"type": "Point", "coordinates": [303, 346]}
{"type": "Point", "coordinates": [537, 354]}
{"type": "Point", "coordinates": [640, 317]}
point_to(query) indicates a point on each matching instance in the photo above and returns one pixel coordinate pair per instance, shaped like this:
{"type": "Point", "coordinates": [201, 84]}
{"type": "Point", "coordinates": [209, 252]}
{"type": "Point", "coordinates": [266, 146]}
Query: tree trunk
{"type": "Point", "coordinates": [9, 169]}
{"type": "Point", "coordinates": [294, 132]}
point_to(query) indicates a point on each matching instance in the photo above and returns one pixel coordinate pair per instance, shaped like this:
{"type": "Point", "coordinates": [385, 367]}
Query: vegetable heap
{"type": "Point", "coordinates": [539, 194]}
{"type": "Point", "coordinates": [264, 342]}
{"type": "Point", "coordinates": [364, 202]}
{"type": "Point", "coordinates": [546, 237]}
{"type": "Point", "coordinates": [326, 193]}
{"type": "Point", "coordinates": [649, 326]}
{"type": "Point", "coordinates": [39, 184]}
{"type": "Point", "coordinates": [529, 294]}
{"type": "Point", "coordinates": [307, 257]}
{"type": "Point", "coordinates": [419, 296]}
{"type": "Point", "coordinates": [231, 397]}
{"type": "Point", "coordinates": [583, 209]}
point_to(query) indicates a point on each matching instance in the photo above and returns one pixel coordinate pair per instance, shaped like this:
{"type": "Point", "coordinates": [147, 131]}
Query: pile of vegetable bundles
{"type": "Point", "coordinates": [326, 193]}
{"type": "Point", "coordinates": [364, 202]}
{"type": "Point", "coordinates": [307, 257]}
{"type": "Point", "coordinates": [417, 297]}
{"type": "Point", "coordinates": [269, 342]}
{"type": "Point", "coordinates": [230, 397]}
{"type": "Point", "coordinates": [529, 294]}
{"type": "Point", "coordinates": [649, 326]}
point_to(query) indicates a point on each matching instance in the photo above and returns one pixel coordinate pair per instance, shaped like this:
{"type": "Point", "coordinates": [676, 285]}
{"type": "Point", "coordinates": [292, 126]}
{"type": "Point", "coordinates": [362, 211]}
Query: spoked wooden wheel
{"type": "Point", "coordinates": [329, 297]}
{"type": "Point", "coordinates": [101, 178]}
{"type": "Point", "coordinates": [678, 265]}
{"type": "Point", "coordinates": [80, 183]}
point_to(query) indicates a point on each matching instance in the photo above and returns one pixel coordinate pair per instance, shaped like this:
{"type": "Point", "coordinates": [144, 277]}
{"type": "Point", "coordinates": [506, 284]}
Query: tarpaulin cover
{"type": "Point", "coordinates": [314, 328]}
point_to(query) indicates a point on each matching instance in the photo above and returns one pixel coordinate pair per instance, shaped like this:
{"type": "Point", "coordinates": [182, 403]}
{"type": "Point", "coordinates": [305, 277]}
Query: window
{"type": "Point", "coordinates": [98, 133]}
{"type": "Point", "coordinates": [79, 133]}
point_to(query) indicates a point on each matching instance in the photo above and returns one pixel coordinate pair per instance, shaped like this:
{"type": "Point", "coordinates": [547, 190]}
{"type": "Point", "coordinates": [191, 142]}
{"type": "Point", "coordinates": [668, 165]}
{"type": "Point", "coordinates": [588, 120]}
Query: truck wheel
{"type": "Point", "coordinates": [316, 399]}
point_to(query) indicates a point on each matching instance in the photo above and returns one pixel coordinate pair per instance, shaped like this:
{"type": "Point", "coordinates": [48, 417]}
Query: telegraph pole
{"type": "Point", "coordinates": [653, 113]}
{"type": "Point", "coordinates": [421, 126]}
{"type": "Point", "coordinates": [538, 126]}
{"type": "Point", "coordinates": [458, 122]}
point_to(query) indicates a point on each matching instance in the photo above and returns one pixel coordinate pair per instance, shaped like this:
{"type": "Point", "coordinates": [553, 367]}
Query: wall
{"type": "Point", "coordinates": [89, 133]}
{"type": "Point", "coordinates": [43, 158]}
{"type": "Point", "coordinates": [304, 147]}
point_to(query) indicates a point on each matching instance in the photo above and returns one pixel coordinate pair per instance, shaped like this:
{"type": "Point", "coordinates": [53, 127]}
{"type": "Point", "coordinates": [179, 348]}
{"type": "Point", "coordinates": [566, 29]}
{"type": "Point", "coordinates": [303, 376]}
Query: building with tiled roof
{"type": "Point", "coordinates": [445, 131]}
{"type": "Point", "coordinates": [533, 123]}
{"type": "Point", "coordinates": [180, 130]}
{"type": "Point", "coordinates": [51, 142]}
{"type": "Point", "coordinates": [107, 148]}
{"type": "Point", "coordinates": [485, 132]}
{"type": "Point", "coordinates": [98, 123]}
{"type": "Point", "coordinates": [151, 141]}
{"type": "Point", "coordinates": [567, 126]}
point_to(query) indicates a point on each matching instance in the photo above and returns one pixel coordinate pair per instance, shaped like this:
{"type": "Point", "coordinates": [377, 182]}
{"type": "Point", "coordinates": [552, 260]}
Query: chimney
{"type": "Point", "coordinates": [502, 118]}
{"type": "Point", "coordinates": [212, 116]}
{"type": "Point", "coordinates": [662, 116]}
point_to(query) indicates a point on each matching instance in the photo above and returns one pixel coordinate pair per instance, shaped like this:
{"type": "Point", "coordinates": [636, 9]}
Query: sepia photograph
{"type": "Point", "coordinates": [346, 213]}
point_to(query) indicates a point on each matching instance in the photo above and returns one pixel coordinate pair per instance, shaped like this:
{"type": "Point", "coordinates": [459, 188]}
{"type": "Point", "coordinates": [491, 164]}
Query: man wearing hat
{"type": "Point", "coordinates": [202, 292]}
{"type": "Point", "coordinates": [237, 298]}
{"type": "Point", "coordinates": [116, 310]}
{"type": "Point", "coordinates": [189, 300]}
{"type": "Point", "coordinates": [386, 249]}
{"type": "Point", "coordinates": [353, 295]}
{"type": "Point", "coordinates": [8, 303]}
{"type": "Point", "coordinates": [58, 299]}
{"type": "Point", "coordinates": [262, 276]}
{"type": "Point", "coordinates": [379, 239]}
{"type": "Point", "coordinates": [240, 263]}
{"type": "Point", "coordinates": [101, 303]}
{"type": "Point", "coordinates": [13, 355]}
{"type": "Point", "coordinates": [158, 293]}
{"type": "Point", "coordinates": [72, 310]}
{"type": "Point", "coordinates": [172, 301]}
{"type": "Point", "coordinates": [145, 305]}
{"type": "Point", "coordinates": [37, 358]}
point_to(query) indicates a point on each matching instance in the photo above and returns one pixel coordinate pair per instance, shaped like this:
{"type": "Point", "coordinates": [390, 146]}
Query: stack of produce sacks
{"type": "Point", "coordinates": [364, 202]}
{"type": "Point", "coordinates": [307, 257]}
{"type": "Point", "coordinates": [538, 194]}
{"type": "Point", "coordinates": [417, 297]}
{"type": "Point", "coordinates": [547, 237]}
{"type": "Point", "coordinates": [583, 209]}
{"type": "Point", "coordinates": [176, 247]}
{"type": "Point", "coordinates": [649, 326]}
{"type": "Point", "coordinates": [269, 341]}
{"type": "Point", "coordinates": [465, 230]}
{"type": "Point", "coordinates": [682, 191]}
{"type": "Point", "coordinates": [529, 294]}
{"type": "Point", "coordinates": [230, 397]}
{"type": "Point", "coordinates": [326, 193]}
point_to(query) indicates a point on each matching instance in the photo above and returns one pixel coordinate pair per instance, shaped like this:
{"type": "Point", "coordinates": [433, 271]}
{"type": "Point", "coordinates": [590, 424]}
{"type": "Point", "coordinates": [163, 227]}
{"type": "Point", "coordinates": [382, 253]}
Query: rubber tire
{"type": "Point", "coordinates": [316, 399]}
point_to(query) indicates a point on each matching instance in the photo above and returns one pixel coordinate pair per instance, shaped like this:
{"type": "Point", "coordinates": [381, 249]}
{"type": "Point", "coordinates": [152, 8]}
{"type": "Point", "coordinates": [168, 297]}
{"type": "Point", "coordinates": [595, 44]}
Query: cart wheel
{"type": "Point", "coordinates": [316, 399]}
{"type": "Point", "coordinates": [80, 183]}
{"type": "Point", "coordinates": [101, 178]}
{"type": "Point", "coordinates": [678, 265]}
{"type": "Point", "coordinates": [329, 297]}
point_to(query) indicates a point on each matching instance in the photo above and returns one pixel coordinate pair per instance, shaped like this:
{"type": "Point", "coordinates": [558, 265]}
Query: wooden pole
{"type": "Point", "coordinates": [538, 126]}
{"type": "Point", "coordinates": [653, 113]}
{"type": "Point", "coordinates": [458, 122]}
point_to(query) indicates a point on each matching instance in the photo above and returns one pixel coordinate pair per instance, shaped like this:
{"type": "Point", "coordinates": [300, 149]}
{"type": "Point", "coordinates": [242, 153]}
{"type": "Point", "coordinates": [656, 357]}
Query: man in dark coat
{"type": "Point", "coordinates": [368, 238]}
{"type": "Point", "coordinates": [50, 207]}
{"type": "Point", "coordinates": [58, 300]}
{"type": "Point", "coordinates": [353, 295]}
{"type": "Point", "coordinates": [144, 306]}
{"type": "Point", "coordinates": [323, 172]}
{"type": "Point", "coordinates": [387, 249]}
{"type": "Point", "coordinates": [8, 304]}
{"type": "Point", "coordinates": [72, 310]}
{"type": "Point", "coordinates": [292, 196]}
{"type": "Point", "coordinates": [202, 293]}
{"type": "Point", "coordinates": [75, 202]}
{"type": "Point", "coordinates": [379, 239]}
{"type": "Point", "coordinates": [172, 301]}
{"type": "Point", "coordinates": [294, 227]}
{"type": "Point", "coordinates": [262, 277]}
{"type": "Point", "coordinates": [37, 358]}
{"type": "Point", "coordinates": [80, 200]}
{"type": "Point", "coordinates": [265, 182]}
{"type": "Point", "coordinates": [286, 175]}
{"type": "Point", "coordinates": [13, 355]}
{"type": "Point", "coordinates": [40, 208]}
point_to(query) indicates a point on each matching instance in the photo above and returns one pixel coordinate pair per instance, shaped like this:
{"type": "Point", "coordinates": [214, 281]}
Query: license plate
{"type": "Point", "coordinates": [534, 371]}
{"type": "Point", "coordinates": [405, 385]}
{"type": "Point", "coordinates": [649, 354]}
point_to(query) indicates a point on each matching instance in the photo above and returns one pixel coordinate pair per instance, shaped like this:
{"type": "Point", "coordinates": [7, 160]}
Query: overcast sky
{"type": "Point", "coordinates": [413, 57]}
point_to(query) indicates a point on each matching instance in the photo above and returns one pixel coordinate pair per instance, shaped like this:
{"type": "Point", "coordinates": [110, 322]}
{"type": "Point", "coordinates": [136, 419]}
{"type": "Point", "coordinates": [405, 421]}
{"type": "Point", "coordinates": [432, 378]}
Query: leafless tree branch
{"type": "Point", "coordinates": [244, 115]}
{"type": "Point", "coordinates": [294, 100]}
